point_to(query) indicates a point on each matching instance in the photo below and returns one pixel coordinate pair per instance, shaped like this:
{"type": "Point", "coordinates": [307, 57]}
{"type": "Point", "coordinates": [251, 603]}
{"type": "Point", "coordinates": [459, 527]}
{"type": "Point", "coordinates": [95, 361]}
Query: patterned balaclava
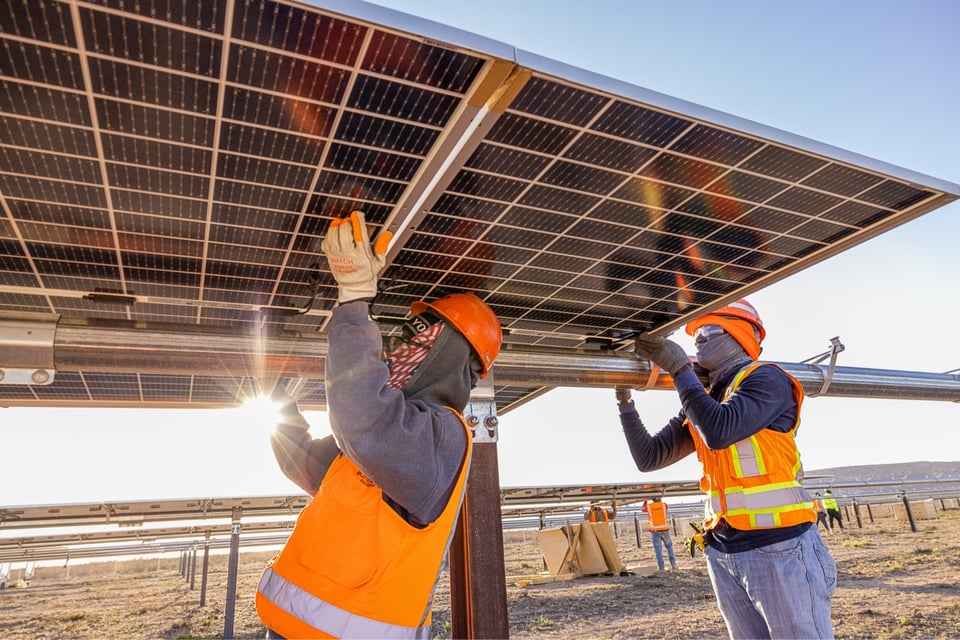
{"type": "Point", "coordinates": [404, 360]}
{"type": "Point", "coordinates": [434, 363]}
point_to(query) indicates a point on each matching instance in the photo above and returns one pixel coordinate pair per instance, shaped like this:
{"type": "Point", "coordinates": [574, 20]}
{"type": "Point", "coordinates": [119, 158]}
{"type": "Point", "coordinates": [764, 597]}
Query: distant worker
{"type": "Point", "coordinates": [833, 511]}
{"type": "Point", "coordinates": [387, 486]}
{"type": "Point", "coordinates": [771, 571]}
{"type": "Point", "coordinates": [597, 521]}
{"type": "Point", "coordinates": [818, 507]}
{"type": "Point", "coordinates": [596, 513]}
{"type": "Point", "coordinates": [657, 525]}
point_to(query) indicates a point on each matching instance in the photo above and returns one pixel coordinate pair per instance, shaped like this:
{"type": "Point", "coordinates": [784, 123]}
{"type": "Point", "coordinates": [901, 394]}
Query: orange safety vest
{"type": "Point", "coordinates": [353, 568]}
{"type": "Point", "coordinates": [657, 516]}
{"type": "Point", "coordinates": [755, 483]}
{"type": "Point", "coordinates": [601, 511]}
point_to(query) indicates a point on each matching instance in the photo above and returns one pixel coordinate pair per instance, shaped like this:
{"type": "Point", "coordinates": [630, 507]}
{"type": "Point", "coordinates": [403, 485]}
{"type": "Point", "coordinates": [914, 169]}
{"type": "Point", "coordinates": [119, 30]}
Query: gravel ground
{"type": "Point", "coordinates": [893, 583]}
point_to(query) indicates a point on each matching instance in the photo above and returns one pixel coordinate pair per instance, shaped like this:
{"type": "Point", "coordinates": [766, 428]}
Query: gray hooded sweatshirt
{"type": "Point", "coordinates": [406, 441]}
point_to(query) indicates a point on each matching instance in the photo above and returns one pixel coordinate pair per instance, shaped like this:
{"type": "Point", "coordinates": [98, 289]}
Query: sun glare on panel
{"type": "Point", "coordinates": [258, 413]}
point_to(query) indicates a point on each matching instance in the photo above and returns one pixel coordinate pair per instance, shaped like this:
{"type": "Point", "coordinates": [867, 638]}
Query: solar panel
{"type": "Point", "coordinates": [189, 158]}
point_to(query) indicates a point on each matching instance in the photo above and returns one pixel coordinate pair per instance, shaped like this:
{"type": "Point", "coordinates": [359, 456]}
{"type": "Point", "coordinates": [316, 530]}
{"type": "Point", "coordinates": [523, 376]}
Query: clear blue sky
{"type": "Point", "coordinates": [877, 78]}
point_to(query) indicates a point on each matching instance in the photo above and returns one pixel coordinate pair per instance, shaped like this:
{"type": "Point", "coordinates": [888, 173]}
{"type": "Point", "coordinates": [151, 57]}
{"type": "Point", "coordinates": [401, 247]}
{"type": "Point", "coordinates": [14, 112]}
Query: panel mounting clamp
{"type": "Point", "coordinates": [26, 348]}
{"type": "Point", "coordinates": [835, 348]}
{"type": "Point", "coordinates": [480, 413]}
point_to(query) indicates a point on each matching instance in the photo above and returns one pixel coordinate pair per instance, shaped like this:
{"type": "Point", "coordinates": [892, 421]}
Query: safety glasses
{"type": "Point", "coordinates": [409, 330]}
{"type": "Point", "coordinates": [707, 332]}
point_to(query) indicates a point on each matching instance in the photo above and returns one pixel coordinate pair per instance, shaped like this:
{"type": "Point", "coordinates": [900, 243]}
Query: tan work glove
{"type": "Point", "coordinates": [355, 264]}
{"type": "Point", "coordinates": [623, 395]}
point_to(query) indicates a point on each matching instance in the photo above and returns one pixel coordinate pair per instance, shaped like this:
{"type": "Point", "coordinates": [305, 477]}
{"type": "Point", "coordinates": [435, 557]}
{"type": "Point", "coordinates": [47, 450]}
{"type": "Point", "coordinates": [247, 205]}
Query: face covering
{"type": "Point", "coordinates": [719, 354]}
{"type": "Point", "coordinates": [404, 360]}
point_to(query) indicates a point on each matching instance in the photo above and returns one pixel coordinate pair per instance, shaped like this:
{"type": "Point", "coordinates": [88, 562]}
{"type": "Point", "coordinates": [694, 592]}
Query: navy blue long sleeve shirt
{"type": "Point", "coordinates": [763, 400]}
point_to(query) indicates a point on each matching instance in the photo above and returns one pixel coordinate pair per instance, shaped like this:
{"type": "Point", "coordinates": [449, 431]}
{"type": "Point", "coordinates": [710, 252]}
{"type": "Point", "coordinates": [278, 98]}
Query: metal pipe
{"type": "Point", "coordinates": [531, 366]}
{"type": "Point", "coordinates": [126, 347]}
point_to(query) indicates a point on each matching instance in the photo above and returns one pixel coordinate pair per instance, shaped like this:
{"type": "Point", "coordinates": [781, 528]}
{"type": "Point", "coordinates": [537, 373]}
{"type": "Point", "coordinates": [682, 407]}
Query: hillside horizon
{"type": "Point", "coordinates": [918, 470]}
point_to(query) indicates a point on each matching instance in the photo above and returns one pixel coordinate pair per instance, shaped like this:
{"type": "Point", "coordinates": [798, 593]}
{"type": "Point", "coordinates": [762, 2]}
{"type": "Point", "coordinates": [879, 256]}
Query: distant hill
{"type": "Point", "coordinates": [922, 470]}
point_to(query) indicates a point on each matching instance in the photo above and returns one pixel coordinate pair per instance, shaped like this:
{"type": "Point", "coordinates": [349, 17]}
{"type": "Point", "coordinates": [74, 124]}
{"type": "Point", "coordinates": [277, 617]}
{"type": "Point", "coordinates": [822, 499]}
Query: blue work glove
{"type": "Point", "coordinates": [666, 354]}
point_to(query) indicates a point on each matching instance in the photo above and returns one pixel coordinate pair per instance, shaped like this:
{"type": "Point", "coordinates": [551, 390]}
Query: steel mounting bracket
{"type": "Point", "coordinates": [835, 348]}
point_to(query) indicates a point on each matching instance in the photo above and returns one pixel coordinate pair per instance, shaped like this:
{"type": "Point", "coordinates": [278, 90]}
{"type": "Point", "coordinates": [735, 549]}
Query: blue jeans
{"type": "Point", "coordinates": [662, 538]}
{"type": "Point", "coordinates": [781, 590]}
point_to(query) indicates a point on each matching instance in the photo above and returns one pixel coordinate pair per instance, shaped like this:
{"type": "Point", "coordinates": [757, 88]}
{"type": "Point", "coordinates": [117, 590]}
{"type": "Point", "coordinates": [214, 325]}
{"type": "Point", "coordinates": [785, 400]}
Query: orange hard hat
{"type": "Point", "coordinates": [472, 317]}
{"type": "Point", "coordinates": [741, 320]}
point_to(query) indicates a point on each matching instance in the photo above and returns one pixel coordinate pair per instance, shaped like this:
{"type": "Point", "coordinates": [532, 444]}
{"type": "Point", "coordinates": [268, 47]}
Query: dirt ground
{"type": "Point", "coordinates": [893, 583]}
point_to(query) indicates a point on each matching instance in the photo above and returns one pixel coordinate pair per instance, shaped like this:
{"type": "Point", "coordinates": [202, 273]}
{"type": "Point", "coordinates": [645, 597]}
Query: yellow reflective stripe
{"type": "Point", "coordinates": [747, 458]}
{"type": "Point", "coordinates": [761, 465]}
{"type": "Point", "coordinates": [782, 496]}
{"type": "Point", "coordinates": [745, 454]}
{"type": "Point", "coordinates": [715, 506]}
{"type": "Point", "coordinates": [797, 466]}
{"type": "Point", "coordinates": [327, 617]}
{"type": "Point", "coordinates": [796, 506]}
{"type": "Point", "coordinates": [737, 379]}
{"type": "Point", "coordinates": [788, 484]}
{"type": "Point", "coordinates": [764, 520]}
{"type": "Point", "coordinates": [735, 459]}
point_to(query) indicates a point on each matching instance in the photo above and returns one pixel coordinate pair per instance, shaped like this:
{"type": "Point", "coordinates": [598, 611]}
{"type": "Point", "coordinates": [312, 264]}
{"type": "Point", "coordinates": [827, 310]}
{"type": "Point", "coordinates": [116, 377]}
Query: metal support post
{"type": "Point", "coordinates": [870, 513]}
{"type": "Point", "coordinates": [856, 512]}
{"type": "Point", "coordinates": [193, 567]}
{"type": "Point", "coordinates": [478, 583]}
{"type": "Point", "coordinates": [232, 564]}
{"type": "Point", "coordinates": [206, 568]}
{"type": "Point", "coordinates": [636, 528]}
{"type": "Point", "coordinates": [906, 503]}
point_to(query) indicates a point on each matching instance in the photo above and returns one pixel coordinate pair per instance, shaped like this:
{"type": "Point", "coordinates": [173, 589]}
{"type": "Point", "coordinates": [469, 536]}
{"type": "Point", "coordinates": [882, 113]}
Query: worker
{"type": "Point", "coordinates": [833, 511]}
{"type": "Point", "coordinates": [659, 529]}
{"type": "Point", "coordinates": [596, 513]}
{"type": "Point", "coordinates": [818, 507]}
{"type": "Point", "coordinates": [772, 574]}
{"type": "Point", "coordinates": [366, 551]}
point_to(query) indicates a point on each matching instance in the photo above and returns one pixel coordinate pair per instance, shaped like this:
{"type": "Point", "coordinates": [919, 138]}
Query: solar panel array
{"type": "Point", "coordinates": [179, 163]}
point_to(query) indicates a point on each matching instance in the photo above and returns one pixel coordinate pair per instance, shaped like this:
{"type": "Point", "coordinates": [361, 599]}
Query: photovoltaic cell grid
{"type": "Point", "coordinates": [191, 156]}
{"type": "Point", "coordinates": [583, 214]}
